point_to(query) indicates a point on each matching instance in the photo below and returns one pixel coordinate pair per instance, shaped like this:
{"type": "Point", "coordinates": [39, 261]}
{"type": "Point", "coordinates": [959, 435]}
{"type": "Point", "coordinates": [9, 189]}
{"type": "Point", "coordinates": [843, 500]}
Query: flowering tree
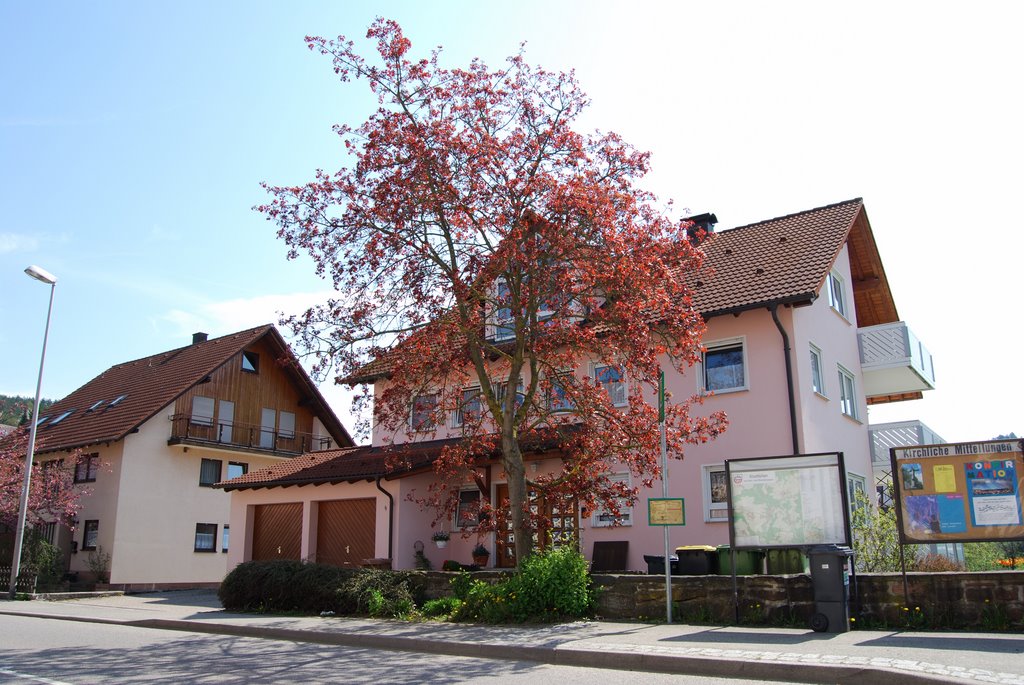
{"type": "Point", "coordinates": [52, 495]}
{"type": "Point", "coordinates": [485, 255]}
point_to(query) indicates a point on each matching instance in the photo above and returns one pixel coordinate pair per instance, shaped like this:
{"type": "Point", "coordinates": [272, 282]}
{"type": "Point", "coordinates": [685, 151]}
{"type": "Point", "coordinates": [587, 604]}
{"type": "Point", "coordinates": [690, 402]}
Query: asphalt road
{"type": "Point", "coordinates": [34, 650]}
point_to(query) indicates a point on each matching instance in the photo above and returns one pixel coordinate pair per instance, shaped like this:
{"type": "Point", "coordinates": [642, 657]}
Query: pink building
{"type": "Point", "coordinates": [802, 335]}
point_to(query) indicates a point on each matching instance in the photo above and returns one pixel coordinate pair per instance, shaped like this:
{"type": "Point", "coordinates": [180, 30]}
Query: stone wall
{"type": "Point", "coordinates": [936, 600]}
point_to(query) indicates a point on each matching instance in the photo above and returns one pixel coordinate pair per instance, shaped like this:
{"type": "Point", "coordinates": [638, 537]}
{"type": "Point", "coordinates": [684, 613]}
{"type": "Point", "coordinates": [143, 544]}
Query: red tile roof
{"type": "Point", "coordinates": [150, 384]}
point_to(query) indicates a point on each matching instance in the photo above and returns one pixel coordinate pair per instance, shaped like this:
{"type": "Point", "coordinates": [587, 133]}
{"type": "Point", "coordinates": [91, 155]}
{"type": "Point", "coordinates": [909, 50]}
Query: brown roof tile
{"type": "Point", "coordinates": [148, 385]}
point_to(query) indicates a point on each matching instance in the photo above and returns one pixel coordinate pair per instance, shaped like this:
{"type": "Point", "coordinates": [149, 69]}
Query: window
{"type": "Point", "coordinates": [847, 393]}
{"type": "Point", "coordinates": [611, 379]}
{"type": "Point", "coordinates": [724, 366]}
{"type": "Point", "coordinates": [817, 382]}
{"type": "Point", "coordinates": [836, 293]}
{"type": "Point", "coordinates": [500, 389]}
{"type": "Point", "coordinates": [469, 407]}
{"type": "Point", "coordinates": [116, 401]}
{"type": "Point", "coordinates": [86, 468]}
{"type": "Point", "coordinates": [91, 536]}
{"type": "Point", "coordinates": [716, 493]}
{"type": "Point", "coordinates": [856, 491]}
{"type": "Point", "coordinates": [209, 472]}
{"type": "Point", "coordinates": [603, 518]}
{"type": "Point", "coordinates": [225, 535]}
{"type": "Point", "coordinates": [206, 537]}
{"type": "Point", "coordinates": [225, 420]}
{"type": "Point", "coordinates": [61, 417]}
{"type": "Point", "coordinates": [422, 416]}
{"type": "Point", "coordinates": [95, 406]}
{"type": "Point", "coordinates": [202, 411]}
{"type": "Point", "coordinates": [268, 419]}
{"type": "Point", "coordinates": [236, 469]}
{"type": "Point", "coordinates": [286, 425]}
{"type": "Point", "coordinates": [558, 398]}
{"type": "Point", "coordinates": [503, 324]}
{"type": "Point", "coordinates": [468, 513]}
{"type": "Point", "coordinates": [250, 362]}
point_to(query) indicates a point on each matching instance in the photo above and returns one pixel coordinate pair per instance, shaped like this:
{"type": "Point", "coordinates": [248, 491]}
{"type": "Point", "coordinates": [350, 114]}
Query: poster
{"type": "Point", "coordinates": [787, 501]}
{"type": "Point", "coordinates": [959, 492]}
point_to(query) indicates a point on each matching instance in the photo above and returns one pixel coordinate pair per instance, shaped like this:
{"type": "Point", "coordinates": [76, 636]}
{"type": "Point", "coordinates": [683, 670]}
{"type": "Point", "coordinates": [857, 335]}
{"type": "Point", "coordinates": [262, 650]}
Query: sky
{"type": "Point", "coordinates": [134, 137]}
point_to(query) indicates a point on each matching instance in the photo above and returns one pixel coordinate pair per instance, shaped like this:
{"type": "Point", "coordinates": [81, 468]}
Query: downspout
{"type": "Point", "coordinates": [774, 308]}
{"type": "Point", "coordinates": [391, 521]}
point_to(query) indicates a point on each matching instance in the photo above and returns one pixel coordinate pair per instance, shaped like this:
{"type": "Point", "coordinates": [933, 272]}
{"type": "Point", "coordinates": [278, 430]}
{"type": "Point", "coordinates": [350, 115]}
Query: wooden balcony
{"type": "Point", "coordinates": [243, 437]}
{"type": "Point", "coordinates": [895, 364]}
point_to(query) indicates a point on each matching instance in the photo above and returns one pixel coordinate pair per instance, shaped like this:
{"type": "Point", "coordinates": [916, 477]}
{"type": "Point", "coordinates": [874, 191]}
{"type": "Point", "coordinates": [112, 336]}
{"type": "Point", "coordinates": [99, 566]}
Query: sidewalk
{"type": "Point", "coordinates": [738, 652]}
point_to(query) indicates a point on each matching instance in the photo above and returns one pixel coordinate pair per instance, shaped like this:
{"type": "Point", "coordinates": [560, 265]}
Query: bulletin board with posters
{"type": "Point", "coordinates": [959, 492]}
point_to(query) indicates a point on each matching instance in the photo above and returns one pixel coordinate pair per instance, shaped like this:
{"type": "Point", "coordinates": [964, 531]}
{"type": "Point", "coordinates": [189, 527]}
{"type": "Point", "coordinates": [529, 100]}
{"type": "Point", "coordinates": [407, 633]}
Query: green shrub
{"type": "Point", "coordinates": [441, 607]}
{"type": "Point", "coordinates": [460, 585]}
{"type": "Point", "coordinates": [287, 585]}
{"type": "Point", "coordinates": [549, 586]}
{"type": "Point", "coordinates": [383, 594]}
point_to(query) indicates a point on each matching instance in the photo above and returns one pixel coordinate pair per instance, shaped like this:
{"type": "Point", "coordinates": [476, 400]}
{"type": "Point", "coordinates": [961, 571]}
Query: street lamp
{"type": "Point", "coordinates": [19, 533]}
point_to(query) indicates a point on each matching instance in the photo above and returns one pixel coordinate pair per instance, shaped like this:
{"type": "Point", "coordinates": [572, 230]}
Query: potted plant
{"type": "Point", "coordinates": [481, 554]}
{"type": "Point", "coordinates": [440, 539]}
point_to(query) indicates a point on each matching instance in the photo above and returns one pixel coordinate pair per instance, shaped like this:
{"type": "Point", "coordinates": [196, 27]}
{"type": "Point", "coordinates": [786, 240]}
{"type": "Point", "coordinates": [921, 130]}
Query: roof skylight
{"type": "Point", "coordinates": [95, 405]}
{"type": "Point", "coordinates": [116, 400]}
{"type": "Point", "coordinates": [61, 417]}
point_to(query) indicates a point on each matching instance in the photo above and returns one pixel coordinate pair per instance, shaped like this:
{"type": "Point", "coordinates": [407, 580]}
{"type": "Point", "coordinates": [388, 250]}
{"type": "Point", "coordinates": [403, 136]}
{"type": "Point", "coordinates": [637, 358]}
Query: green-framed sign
{"type": "Point", "coordinates": [666, 511]}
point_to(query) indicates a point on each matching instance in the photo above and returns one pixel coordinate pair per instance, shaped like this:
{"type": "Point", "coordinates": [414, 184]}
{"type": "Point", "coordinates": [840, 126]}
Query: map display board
{"type": "Point", "coordinates": [793, 501]}
{"type": "Point", "coordinates": [959, 492]}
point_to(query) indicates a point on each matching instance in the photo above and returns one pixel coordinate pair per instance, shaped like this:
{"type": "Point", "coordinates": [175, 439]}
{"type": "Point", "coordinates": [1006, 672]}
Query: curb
{"type": "Point", "coordinates": [792, 671]}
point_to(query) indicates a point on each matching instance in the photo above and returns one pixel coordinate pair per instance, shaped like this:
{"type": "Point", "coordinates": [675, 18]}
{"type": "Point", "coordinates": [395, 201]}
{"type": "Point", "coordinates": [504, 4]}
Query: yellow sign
{"type": "Point", "coordinates": [666, 511]}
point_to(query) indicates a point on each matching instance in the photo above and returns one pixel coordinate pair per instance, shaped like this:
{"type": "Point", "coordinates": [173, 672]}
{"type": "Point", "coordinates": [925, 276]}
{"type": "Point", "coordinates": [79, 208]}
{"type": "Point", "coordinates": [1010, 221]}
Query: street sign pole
{"type": "Point", "coordinates": [664, 491]}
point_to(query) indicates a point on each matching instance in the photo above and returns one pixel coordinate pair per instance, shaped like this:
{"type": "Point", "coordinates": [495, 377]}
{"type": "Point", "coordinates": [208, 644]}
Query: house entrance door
{"type": "Point", "coordinates": [562, 527]}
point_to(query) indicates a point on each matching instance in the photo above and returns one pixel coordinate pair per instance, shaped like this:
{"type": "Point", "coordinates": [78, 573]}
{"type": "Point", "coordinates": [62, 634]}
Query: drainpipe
{"type": "Point", "coordinates": [774, 308]}
{"type": "Point", "coordinates": [391, 521]}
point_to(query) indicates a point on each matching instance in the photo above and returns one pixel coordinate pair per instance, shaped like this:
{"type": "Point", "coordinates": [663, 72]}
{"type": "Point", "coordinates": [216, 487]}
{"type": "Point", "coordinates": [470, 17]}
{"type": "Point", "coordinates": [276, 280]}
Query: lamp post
{"type": "Point", "coordinates": [19, 533]}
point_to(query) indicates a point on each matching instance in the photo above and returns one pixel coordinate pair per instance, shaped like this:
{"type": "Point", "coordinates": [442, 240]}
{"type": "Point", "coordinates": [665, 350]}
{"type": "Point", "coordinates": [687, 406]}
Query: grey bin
{"type": "Point", "coordinates": [656, 564]}
{"type": "Point", "coordinates": [830, 579]}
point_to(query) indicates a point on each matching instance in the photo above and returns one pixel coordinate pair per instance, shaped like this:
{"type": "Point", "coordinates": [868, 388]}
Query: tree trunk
{"type": "Point", "coordinates": [515, 471]}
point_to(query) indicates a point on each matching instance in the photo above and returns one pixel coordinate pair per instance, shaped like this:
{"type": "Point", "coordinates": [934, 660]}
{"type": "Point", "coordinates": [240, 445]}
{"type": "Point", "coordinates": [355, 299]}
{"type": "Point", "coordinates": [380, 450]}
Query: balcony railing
{"type": "Point", "coordinates": [895, 363]}
{"type": "Point", "coordinates": [235, 435]}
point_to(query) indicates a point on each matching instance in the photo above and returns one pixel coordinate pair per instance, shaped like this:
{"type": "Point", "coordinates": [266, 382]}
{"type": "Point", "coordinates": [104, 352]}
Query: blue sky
{"type": "Point", "coordinates": [134, 136]}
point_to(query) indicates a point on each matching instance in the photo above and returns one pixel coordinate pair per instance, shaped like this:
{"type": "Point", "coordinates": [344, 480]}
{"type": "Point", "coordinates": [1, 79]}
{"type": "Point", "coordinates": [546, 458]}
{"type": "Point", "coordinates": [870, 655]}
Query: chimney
{"type": "Point", "coordinates": [198, 338]}
{"type": "Point", "coordinates": [703, 226]}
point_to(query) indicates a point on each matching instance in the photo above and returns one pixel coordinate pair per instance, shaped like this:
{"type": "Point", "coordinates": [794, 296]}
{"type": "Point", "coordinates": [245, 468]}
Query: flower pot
{"type": "Point", "coordinates": [481, 559]}
{"type": "Point", "coordinates": [441, 544]}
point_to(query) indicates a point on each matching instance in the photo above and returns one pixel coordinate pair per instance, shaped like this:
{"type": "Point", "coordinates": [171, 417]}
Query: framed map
{"type": "Point", "coordinates": [792, 501]}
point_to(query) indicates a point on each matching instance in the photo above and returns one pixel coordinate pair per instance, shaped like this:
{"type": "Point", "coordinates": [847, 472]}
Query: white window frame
{"type": "Point", "coordinates": [716, 345]}
{"type": "Point", "coordinates": [848, 393]}
{"type": "Point", "coordinates": [837, 293]}
{"type": "Point", "coordinates": [852, 481]}
{"type": "Point", "coordinates": [817, 371]}
{"type": "Point", "coordinates": [603, 519]}
{"type": "Point", "coordinates": [202, 411]}
{"type": "Point", "coordinates": [458, 417]}
{"type": "Point", "coordinates": [711, 507]}
{"type": "Point", "coordinates": [623, 401]}
{"type": "Point", "coordinates": [428, 425]}
{"type": "Point", "coordinates": [458, 523]}
{"type": "Point", "coordinates": [499, 322]}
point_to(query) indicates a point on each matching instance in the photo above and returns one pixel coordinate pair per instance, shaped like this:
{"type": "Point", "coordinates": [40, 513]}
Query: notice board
{"type": "Point", "coordinates": [959, 492]}
{"type": "Point", "coordinates": [790, 501]}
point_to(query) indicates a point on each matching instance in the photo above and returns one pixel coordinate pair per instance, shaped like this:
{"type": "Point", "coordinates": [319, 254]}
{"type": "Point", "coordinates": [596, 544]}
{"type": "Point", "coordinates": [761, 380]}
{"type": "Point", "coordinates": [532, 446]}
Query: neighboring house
{"type": "Point", "coordinates": [802, 335]}
{"type": "Point", "coordinates": [5, 429]}
{"type": "Point", "coordinates": [157, 433]}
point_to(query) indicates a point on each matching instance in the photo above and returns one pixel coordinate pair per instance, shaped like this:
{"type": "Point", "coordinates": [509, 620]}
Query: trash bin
{"type": "Point", "coordinates": [697, 560]}
{"type": "Point", "coordinates": [784, 561]}
{"type": "Point", "coordinates": [656, 564]}
{"type": "Point", "coordinates": [830, 579]}
{"type": "Point", "coordinates": [748, 561]}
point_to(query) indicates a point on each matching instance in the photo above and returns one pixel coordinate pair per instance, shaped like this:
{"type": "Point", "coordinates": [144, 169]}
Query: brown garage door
{"type": "Point", "coordinates": [346, 531]}
{"type": "Point", "coordinates": [277, 531]}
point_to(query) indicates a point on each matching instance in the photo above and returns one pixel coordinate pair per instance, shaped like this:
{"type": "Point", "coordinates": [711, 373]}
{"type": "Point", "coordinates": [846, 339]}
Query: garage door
{"type": "Point", "coordinates": [346, 531]}
{"type": "Point", "coordinates": [277, 531]}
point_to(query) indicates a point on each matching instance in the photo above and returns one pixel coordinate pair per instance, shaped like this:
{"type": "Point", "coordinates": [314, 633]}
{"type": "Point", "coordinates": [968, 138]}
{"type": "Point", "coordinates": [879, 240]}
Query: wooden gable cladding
{"type": "Point", "coordinates": [271, 387]}
{"type": "Point", "coordinates": [871, 295]}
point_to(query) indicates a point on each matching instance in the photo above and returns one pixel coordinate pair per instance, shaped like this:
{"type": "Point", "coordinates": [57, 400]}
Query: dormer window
{"type": "Point", "coordinates": [250, 362]}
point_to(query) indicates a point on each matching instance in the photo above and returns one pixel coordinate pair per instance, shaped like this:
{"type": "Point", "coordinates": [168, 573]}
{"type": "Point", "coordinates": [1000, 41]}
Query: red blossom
{"type": "Point", "coordinates": [53, 497]}
{"type": "Point", "coordinates": [471, 201]}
